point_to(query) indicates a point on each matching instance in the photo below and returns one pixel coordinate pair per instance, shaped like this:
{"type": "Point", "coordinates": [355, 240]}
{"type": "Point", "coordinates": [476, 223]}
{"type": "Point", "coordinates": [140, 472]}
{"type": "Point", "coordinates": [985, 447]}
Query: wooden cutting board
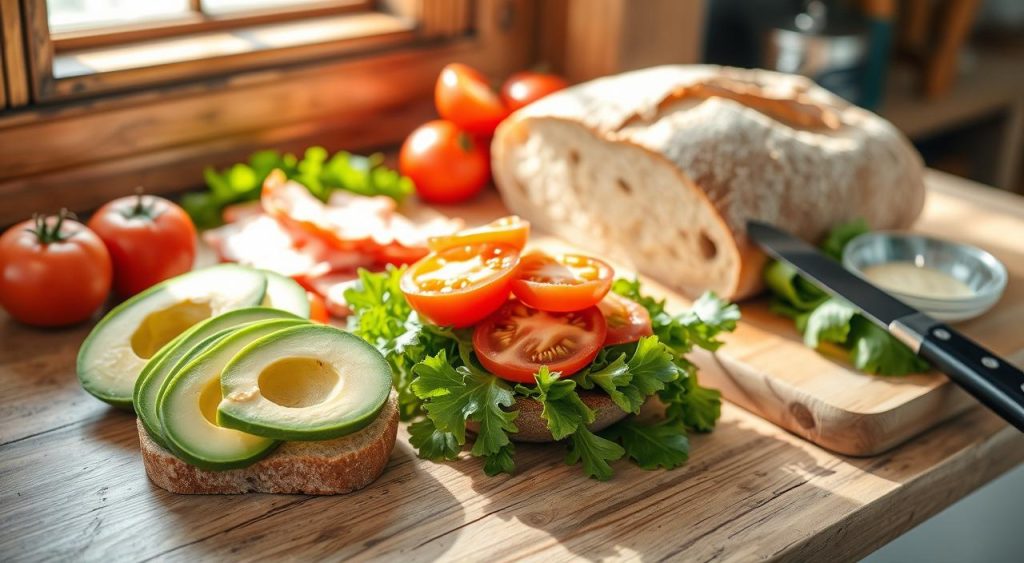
{"type": "Point", "coordinates": [765, 368]}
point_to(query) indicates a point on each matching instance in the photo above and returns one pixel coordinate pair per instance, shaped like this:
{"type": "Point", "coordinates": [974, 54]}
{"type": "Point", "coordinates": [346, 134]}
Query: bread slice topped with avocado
{"type": "Point", "coordinates": [253, 399]}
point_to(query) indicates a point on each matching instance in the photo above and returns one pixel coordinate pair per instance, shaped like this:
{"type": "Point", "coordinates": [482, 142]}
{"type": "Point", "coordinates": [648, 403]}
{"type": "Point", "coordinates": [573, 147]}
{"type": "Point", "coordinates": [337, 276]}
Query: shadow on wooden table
{"type": "Point", "coordinates": [379, 521]}
{"type": "Point", "coordinates": [691, 512]}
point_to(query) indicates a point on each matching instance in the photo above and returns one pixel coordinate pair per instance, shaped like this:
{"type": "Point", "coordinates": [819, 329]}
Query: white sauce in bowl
{"type": "Point", "coordinates": [922, 281]}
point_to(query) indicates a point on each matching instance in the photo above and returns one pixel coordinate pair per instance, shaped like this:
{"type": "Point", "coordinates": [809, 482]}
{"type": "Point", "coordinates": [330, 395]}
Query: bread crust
{"type": "Point", "coordinates": [751, 144]}
{"type": "Point", "coordinates": [328, 467]}
{"type": "Point", "coordinates": [533, 428]}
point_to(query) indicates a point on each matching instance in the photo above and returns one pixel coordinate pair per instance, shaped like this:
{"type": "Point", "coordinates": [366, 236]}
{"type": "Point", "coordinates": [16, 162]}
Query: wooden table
{"type": "Point", "coordinates": [72, 486]}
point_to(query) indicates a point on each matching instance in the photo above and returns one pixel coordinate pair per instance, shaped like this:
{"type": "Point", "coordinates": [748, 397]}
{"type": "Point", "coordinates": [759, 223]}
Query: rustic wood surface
{"type": "Point", "coordinates": [766, 369]}
{"type": "Point", "coordinates": [73, 487]}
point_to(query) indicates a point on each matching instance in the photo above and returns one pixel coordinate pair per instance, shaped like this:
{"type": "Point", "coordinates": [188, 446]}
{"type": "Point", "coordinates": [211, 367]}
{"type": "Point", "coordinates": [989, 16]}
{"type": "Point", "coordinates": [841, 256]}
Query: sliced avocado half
{"type": "Point", "coordinates": [286, 294]}
{"type": "Point", "coordinates": [155, 374]}
{"type": "Point", "coordinates": [188, 405]}
{"type": "Point", "coordinates": [311, 382]}
{"type": "Point", "coordinates": [120, 345]}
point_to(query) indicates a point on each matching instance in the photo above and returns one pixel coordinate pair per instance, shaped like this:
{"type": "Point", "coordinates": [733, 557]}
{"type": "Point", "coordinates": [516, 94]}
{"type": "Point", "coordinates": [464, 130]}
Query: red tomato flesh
{"type": "Point", "coordinates": [460, 286]}
{"type": "Point", "coordinates": [627, 320]}
{"type": "Point", "coordinates": [562, 283]}
{"type": "Point", "coordinates": [517, 340]}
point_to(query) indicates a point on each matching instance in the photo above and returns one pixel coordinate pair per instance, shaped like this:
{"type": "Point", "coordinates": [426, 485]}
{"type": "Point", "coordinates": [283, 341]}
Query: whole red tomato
{"type": "Point", "coordinates": [463, 96]}
{"type": "Point", "coordinates": [523, 88]}
{"type": "Point", "coordinates": [149, 238]}
{"type": "Point", "coordinates": [53, 271]}
{"type": "Point", "coordinates": [446, 163]}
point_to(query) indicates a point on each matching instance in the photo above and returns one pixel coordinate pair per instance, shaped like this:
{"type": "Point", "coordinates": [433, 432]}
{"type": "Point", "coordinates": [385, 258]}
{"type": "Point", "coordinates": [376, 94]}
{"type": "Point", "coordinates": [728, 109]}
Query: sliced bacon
{"type": "Point", "coordinates": [332, 288]}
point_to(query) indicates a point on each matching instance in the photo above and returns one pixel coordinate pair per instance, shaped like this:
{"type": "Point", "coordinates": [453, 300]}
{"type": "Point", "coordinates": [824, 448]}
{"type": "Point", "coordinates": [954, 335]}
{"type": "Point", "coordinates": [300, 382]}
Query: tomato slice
{"type": "Point", "coordinates": [462, 285]}
{"type": "Point", "coordinates": [627, 320]}
{"type": "Point", "coordinates": [566, 282]}
{"type": "Point", "coordinates": [517, 340]}
{"type": "Point", "coordinates": [511, 231]}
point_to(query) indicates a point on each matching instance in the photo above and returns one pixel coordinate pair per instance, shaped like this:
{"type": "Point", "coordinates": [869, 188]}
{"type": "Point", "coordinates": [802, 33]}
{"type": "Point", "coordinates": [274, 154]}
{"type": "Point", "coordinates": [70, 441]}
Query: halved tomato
{"type": "Point", "coordinates": [510, 230]}
{"type": "Point", "coordinates": [460, 286]}
{"type": "Point", "coordinates": [517, 340]}
{"type": "Point", "coordinates": [627, 320]}
{"type": "Point", "coordinates": [566, 282]}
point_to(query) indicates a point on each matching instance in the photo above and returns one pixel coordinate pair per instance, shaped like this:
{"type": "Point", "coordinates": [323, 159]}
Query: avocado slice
{"type": "Point", "coordinates": [120, 345]}
{"type": "Point", "coordinates": [311, 382]}
{"type": "Point", "coordinates": [286, 294]}
{"type": "Point", "coordinates": [188, 405]}
{"type": "Point", "coordinates": [153, 376]}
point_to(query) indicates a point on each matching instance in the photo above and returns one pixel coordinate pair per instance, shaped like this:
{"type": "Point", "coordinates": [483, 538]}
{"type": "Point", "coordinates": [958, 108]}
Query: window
{"type": "Point", "coordinates": [100, 96]}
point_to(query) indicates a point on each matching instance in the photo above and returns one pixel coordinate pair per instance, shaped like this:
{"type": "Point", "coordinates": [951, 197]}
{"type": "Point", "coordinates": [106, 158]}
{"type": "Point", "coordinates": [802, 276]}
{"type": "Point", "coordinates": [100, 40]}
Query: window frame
{"type": "Point", "coordinates": [82, 152]}
{"type": "Point", "coordinates": [197, 21]}
{"type": "Point", "coordinates": [46, 87]}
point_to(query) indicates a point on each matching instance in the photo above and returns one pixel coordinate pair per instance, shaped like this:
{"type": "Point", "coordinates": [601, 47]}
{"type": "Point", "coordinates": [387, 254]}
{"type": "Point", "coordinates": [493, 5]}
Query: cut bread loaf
{"type": "Point", "coordinates": [661, 168]}
{"type": "Point", "coordinates": [329, 467]}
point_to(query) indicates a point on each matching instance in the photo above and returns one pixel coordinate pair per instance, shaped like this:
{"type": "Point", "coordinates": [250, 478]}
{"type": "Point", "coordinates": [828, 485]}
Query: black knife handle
{"type": "Point", "coordinates": [992, 380]}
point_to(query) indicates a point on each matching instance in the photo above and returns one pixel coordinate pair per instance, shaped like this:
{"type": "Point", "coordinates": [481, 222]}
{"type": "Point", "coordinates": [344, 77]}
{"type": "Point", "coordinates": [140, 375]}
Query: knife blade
{"type": "Point", "coordinates": [992, 380]}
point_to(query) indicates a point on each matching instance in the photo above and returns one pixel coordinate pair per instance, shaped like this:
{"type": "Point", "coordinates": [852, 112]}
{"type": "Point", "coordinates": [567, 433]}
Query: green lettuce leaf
{"type": "Point", "coordinates": [317, 170]}
{"type": "Point", "coordinates": [821, 318]}
{"type": "Point", "coordinates": [872, 350]}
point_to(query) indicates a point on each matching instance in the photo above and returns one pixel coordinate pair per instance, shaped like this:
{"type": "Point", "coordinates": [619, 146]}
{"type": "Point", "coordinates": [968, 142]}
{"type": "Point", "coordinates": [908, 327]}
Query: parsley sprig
{"type": "Point", "coordinates": [442, 386]}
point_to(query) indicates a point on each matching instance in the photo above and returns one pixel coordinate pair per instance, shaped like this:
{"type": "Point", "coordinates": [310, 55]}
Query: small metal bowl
{"type": "Point", "coordinates": [983, 273]}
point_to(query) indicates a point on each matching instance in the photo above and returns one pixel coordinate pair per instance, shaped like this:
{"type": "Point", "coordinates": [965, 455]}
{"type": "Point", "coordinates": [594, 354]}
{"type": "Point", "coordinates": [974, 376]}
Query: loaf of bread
{"type": "Point", "coordinates": [327, 467]}
{"type": "Point", "coordinates": [661, 168]}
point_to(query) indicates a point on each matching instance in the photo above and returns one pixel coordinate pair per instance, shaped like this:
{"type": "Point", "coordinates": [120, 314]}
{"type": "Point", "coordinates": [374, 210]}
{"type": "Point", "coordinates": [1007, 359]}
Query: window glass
{"type": "Point", "coordinates": [68, 15]}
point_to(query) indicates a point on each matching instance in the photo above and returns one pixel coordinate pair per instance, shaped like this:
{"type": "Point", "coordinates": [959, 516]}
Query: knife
{"type": "Point", "coordinates": [995, 382]}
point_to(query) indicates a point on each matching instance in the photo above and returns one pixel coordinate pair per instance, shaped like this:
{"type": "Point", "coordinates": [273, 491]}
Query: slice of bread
{"type": "Point", "coordinates": [659, 169]}
{"type": "Point", "coordinates": [533, 428]}
{"type": "Point", "coordinates": [329, 467]}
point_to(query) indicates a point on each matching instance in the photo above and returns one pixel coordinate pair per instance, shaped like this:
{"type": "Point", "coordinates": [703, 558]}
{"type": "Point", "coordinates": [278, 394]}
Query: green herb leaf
{"type": "Point", "coordinates": [699, 408]}
{"type": "Point", "coordinates": [458, 395]}
{"type": "Point", "coordinates": [431, 443]}
{"type": "Point", "coordinates": [652, 445]}
{"type": "Point", "coordinates": [501, 461]}
{"type": "Point", "coordinates": [595, 452]}
{"type": "Point", "coordinates": [563, 409]}
{"type": "Point", "coordinates": [383, 317]}
{"type": "Point", "coordinates": [650, 365]}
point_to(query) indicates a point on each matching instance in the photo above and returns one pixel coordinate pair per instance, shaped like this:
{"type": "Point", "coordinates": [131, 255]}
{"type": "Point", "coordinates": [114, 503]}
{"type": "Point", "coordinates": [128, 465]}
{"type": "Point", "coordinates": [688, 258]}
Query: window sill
{"type": "Point", "coordinates": [103, 69]}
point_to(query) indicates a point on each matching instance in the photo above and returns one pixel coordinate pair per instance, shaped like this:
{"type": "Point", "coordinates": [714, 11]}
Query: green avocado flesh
{"type": "Point", "coordinates": [286, 294]}
{"type": "Point", "coordinates": [310, 382]}
{"type": "Point", "coordinates": [115, 352]}
{"type": "Point", "coordinates": [156, 373]}
{"type": "Point", "coordinates": [188, 404]}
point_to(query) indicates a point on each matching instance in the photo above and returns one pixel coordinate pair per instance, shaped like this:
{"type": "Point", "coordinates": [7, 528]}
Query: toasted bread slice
{"type": "Point", "coordinates": [533, 428]}
{"type": "Point", "coordinates": [329, 467]}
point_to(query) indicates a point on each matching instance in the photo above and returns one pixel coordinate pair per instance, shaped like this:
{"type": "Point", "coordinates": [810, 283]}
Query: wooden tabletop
{"type": "Point", "coordinates": [72, 486]}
